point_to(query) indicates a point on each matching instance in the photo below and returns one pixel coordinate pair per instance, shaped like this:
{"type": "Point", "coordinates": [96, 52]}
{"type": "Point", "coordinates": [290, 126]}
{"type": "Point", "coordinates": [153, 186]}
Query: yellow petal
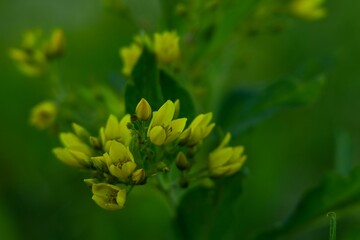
{"type": "Point", "coordinates": [207, 130]}
{"type": "Point", "coordinates": [118, 152]}
{"type": "Point", "coordinates": [125, 133]}
{"type": "Point", "coordinates": [220, 171]}
{"type": "Point", "coordinates": [165, 114]}
{"type": "Point", "coordinates": [220, 157]}
{"type": "Point", "coordinates": [71, 141]}
{"type": "Point", "coordinates": [112, 128]}
{"type": "Point", "coordinates": [174, 129]}
{"type": "Point", "coordinates": [225, 141]}
{"type": "Point", "coordinates": [124, 171]}
{"type": "Point", "coordinates": [81, 157]}
{"type": "Point", "coordinates": [157, 135]}
{"type": "Point", "coordinates": [121, 198]}
{"type": "Point", "coordinates": [80, 131]}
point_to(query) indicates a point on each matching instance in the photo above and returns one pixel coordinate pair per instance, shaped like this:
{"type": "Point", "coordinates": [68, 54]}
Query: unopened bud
{"type": "Point", "coordinates": [91, 181]}
{"type": "Point", "coordinates": [181, 161]}
{"type": "Point", "coordinates": [143, 110]}
{"type": "Point", "coordinates": [80, 131]}
{"type": "Point", "coordinates": [138, 176]}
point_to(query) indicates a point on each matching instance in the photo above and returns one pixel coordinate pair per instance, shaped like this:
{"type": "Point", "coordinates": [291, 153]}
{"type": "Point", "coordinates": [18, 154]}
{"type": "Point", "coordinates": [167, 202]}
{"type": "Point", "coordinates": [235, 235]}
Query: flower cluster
{"type": "Point", "coordinates": [136, 148]}
{"type": "Point", "coordinates": [35, 52]}
{"type": "Point", "coordinates": [165, 46]}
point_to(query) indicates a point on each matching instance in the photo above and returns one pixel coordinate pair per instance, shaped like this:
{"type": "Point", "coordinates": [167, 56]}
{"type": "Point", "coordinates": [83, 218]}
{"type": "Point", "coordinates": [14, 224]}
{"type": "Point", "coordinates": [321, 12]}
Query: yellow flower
{"type": "Point", "coordinates": [163, 129]}
{"type": "Point", "coordinates": [43, 115]}
{"type": "Point", "coordinates": [225, 161]}
{"type": "Point", "coordinates": [120, 160]}
{"type": "Point", "coordinates": [143, 110]}
{"type": "Point", "coordinates": [115, 130]}
{"type": "Point", "coordinates": [108, 196]}
{"type": "Point", "coordinates": [166, 46]}
{"type": "Point", "coordinates": [130, 56]}
{"type": "Point", "coordinates": [198, 130]}
{"type": "Point", "coordinates": [308, 9]}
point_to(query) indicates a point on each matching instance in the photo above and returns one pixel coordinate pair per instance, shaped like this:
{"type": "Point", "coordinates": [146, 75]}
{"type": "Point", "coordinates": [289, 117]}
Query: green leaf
{"type": "Point", "coordinates": [337, 193]}
{"type": "Point", "coordinates": [208, 213]}
{"type": "Point", "coordinates": [144, 84]}
{"type": "Point", "coordinates": [243, 109]}
{"type": "Point", "coordinates": [172, 90]}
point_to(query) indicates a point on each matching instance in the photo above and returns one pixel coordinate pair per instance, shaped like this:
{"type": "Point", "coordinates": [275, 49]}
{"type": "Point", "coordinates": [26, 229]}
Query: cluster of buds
{"type": "Point", "coordinates": [148, 143]}
{"type": "Point", "coordinates": [35, 52]}
{"type": "Point", "coordinates": [165, 46]}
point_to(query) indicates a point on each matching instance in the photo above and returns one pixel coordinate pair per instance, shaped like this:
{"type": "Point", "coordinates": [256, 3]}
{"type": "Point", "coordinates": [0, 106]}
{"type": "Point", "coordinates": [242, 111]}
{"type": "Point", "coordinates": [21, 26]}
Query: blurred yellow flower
{"type": "Point", "coordinates": [108, 196]}
{"type": "Point", "coordinates": [198, 130]}
{"type": "Point", "coordinates": [43, 115]}
{"type": "Point", "coordinates": [166, 46]}
{"type": "Point", "coordinates": [308, 9]}
{"type": "Point", "coordinates": [130, 56]}
{"type": "Point", "coordinates": [75, 152]}
{"type": "Point", "coordinates": [225, 161]}
{"type": "Point", "coordinates": [163, 129]}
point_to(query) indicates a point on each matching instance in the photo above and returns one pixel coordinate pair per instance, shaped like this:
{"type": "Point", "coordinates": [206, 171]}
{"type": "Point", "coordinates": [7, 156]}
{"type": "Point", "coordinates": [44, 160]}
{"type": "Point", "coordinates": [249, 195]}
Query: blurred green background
{"type": "Point", "coordinates": [43, 199]}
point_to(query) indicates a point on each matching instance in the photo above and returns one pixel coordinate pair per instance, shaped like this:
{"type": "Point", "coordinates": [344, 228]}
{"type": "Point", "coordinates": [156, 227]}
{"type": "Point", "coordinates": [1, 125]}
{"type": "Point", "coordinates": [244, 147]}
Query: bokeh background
{"type": "Point", "coordinates": [40, 198]}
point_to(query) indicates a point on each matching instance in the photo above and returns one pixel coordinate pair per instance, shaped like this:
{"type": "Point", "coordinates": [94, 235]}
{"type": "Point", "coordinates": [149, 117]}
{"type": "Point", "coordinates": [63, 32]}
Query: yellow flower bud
{"type": "Point", "coordinates": [182, 162]}
{"type": "Point", "coordinates": [80, 131]}
{"type": "Point", "coordinates": [143, 110]}
{"type": "Point", "coordinates": [138, 176]}
{"type": "Point", "coordinates": [108, 196]}
{"type": "Point", "coordinates": [91, 181]}
{"type": "Point", "coordinates": [166, 46]}
{"type": "Point", "coordinates": [43, 115]}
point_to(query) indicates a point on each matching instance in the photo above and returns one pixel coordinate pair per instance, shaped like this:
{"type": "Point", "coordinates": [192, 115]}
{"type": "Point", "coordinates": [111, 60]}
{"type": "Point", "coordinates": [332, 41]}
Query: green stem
{"type": "Point", "coordinates": [332, 216]}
